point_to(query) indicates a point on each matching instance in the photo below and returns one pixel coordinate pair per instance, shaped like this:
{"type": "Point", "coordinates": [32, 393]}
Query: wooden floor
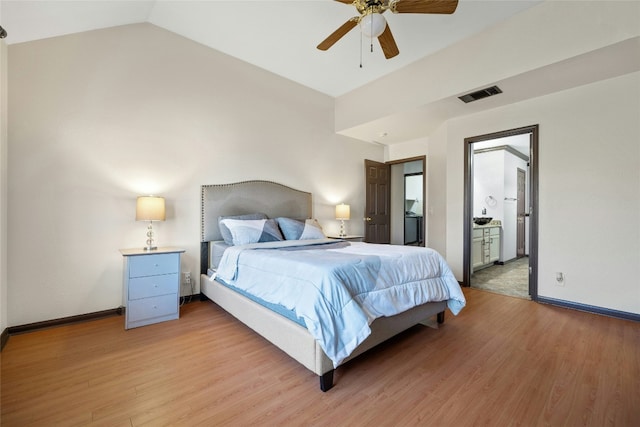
{"type": "Point", "coordinates": [503, 361]}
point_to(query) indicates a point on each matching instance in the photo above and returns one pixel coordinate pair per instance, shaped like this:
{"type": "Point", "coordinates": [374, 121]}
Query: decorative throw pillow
{"type": "Point", "coordinates": [300, 229]}
{"type": "Point", "coordinates": [248, 231]}
{"type": "Point", "coordinates": [224, 230]}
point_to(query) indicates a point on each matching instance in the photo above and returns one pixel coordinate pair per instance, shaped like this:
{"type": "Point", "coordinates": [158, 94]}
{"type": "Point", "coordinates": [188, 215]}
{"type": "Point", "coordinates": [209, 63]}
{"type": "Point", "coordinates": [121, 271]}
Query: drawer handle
{"type": "Point", "coordinates": [155, 306]}
{"type": "Point", "coordinates": [156, 265]}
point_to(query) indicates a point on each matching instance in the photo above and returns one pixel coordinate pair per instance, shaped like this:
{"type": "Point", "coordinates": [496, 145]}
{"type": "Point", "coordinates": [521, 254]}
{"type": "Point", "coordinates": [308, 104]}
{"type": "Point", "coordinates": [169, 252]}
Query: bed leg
{"type": "Point", "coordinates": [440, 317]}
{"type": "Point", "coordinates": [326, 381]}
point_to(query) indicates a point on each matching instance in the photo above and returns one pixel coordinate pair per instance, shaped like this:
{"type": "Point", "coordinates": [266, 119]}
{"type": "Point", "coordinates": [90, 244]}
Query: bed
{"type": "Point", "coordinates": [275, 200]}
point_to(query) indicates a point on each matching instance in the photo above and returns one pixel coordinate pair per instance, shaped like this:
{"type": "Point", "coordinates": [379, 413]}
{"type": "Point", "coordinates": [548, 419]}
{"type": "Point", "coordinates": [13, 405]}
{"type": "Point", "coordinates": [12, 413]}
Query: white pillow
{"type": "Point", "coordinates": [244, 232]}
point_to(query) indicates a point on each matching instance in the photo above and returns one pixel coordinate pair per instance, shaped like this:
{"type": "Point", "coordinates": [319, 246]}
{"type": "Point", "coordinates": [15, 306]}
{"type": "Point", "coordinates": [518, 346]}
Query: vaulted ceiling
{"type": "Point", "coordinates": [281, 37]}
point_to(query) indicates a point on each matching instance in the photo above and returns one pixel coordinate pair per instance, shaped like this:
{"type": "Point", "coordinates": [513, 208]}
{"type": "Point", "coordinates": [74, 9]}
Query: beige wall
{"type": "Point", "coordinates": [589, 189]}
{"type": "Point", "coordinates": [100, 117]}
{"type": "Point", "coordinates": [588, 136]}
{"type": "Point", "coordinates": [3, 186]}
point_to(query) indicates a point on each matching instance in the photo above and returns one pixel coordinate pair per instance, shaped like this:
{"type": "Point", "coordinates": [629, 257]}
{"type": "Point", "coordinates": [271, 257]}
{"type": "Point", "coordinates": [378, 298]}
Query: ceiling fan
{"type": "Point", "coordinates": [373, 24]}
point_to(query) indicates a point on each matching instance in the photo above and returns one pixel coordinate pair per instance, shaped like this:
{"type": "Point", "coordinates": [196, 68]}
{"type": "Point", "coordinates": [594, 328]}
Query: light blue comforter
{"type": "Point", "coordinates": [340, 288]}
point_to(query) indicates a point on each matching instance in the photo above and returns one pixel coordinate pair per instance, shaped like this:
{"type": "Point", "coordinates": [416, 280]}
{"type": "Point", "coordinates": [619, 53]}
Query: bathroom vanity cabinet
{"type": "Point", "coordinates": [485, 248]}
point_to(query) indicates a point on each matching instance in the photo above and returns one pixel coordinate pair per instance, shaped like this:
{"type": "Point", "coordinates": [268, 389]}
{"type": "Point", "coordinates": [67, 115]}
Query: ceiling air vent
{"type": "Point", "coordinates": [483, 93]}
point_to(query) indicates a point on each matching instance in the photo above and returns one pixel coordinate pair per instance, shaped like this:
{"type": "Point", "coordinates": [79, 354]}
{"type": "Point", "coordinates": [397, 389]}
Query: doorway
{"type": "Point", "coordinates": [500, 215]}
{"type": "Point", "coordinates": [395, 201]}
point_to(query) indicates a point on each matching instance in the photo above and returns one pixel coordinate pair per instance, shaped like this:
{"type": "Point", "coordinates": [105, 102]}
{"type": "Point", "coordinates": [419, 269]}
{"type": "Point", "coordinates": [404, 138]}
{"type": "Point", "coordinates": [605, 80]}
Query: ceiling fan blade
{"type": "Point", "coordinates": [345, 1]}
{"type": "Point", "coordinates": [424, 6]}
{"type": "Point", "coordinates": [388, 43]}
{"type": "Point", "coordinates": [337, 34]}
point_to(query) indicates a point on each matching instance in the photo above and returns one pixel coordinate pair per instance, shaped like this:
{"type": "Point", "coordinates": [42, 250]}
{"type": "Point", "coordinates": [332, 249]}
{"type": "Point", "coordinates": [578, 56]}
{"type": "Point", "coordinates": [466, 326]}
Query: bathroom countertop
{"type": "Point", "coordinates": [494, 223]}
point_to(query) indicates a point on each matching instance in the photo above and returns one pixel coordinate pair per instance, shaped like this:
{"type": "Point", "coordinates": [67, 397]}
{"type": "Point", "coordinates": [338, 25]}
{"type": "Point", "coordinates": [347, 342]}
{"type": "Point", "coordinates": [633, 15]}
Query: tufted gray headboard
{"type": "Point", "coordinates": [247, 197]}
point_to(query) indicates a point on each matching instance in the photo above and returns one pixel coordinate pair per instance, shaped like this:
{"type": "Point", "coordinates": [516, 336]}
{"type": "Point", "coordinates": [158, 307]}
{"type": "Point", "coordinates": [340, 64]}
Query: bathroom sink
{"type": "Point", "coordinates": [482, 220]}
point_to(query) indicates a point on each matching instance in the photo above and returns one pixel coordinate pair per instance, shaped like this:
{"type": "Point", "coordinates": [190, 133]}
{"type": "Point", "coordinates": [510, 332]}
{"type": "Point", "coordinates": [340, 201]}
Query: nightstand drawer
{"type": "Point", "coordinates": [151, 265]}
{"type": "Point", "coordinates": [151, 286]}
{"type": "Point", "coordinates": [148, 308]}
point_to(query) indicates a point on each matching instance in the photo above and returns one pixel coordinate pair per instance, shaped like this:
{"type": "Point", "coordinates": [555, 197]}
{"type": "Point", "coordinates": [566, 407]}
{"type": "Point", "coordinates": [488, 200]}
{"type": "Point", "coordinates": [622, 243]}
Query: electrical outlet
{"type": "Point", "coordinates": [186, 277]}
{"type": "Point", "coordinates": [560, 279]}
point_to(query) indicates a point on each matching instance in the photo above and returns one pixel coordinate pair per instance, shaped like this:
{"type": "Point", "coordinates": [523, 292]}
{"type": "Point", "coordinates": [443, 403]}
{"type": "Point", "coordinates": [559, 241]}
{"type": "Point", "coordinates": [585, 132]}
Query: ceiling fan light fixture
{"type": "Point", "coordinates": [373, 24]}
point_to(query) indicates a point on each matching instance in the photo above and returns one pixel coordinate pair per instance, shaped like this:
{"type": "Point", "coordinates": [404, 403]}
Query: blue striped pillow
{"type": "Point", "coordinates": [300, 229]}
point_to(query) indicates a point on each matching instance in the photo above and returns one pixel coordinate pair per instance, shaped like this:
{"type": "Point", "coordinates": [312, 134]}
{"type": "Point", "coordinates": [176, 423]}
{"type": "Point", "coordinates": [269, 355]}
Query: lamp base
{"type": "Point", "coordinates": [150, 246]}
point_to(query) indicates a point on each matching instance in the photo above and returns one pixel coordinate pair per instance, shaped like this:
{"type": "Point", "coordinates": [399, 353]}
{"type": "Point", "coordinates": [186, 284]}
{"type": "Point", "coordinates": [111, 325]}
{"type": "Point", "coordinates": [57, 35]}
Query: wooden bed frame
{"type": "Point", "coordinates": [278, 200]}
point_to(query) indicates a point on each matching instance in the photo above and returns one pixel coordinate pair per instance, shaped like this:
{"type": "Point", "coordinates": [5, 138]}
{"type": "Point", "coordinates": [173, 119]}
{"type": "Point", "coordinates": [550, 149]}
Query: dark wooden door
{"type": "Point", "coordinates": [521, 208]}
{"type": "Point", "coordinates": [377, 203]}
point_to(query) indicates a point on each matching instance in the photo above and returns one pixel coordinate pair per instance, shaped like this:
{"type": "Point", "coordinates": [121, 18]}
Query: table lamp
{"type": "Point", "coordinates": [150, 208]}
{"type": "Point", "coordinates": [343, 212]}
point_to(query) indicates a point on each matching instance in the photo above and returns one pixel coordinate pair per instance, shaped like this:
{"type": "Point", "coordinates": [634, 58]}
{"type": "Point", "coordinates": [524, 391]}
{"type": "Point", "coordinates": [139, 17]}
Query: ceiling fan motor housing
{"type": "Point", "coordinates": [365, 7]}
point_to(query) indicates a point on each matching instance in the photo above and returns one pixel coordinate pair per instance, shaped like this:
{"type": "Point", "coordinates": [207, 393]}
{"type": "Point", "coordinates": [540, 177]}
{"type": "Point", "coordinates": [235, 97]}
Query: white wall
{"type": "Point", "coordinates": [413, 193]}
{"type": "Point", "coordinates": [397, 204]}
{"type": "Point", "coordinates": [588, 136]}
{"type": "Point", "coordinates": [436, 207]}
{"type": "Point", "coordinates": [488, 180]}
{"type": "Point", "coordinates": [545, 34]}
{"type": "Point", "coordinates": [3, 186]}
{"type": "Point", "coordinates": [495, 175]}
{"type": "Point", "coordinates": [407, 150]}
{"type": "Point", "coordinates": [510, 210]}
{"type": "Point", "coordinates": [101, 117]}
{"type": "Point", "coordinates": [589, 188]}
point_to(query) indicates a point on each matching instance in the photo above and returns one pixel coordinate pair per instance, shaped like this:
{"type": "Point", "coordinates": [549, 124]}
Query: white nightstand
{"type": "Point", "coordinates": [349, 237]}
{"type": "Point", "coordinates": [151, 282]}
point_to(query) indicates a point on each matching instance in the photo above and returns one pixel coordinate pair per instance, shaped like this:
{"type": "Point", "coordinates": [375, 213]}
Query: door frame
{"type": "Point", "coordinates": [390, 163]}
{"type": "Point", "coordinates": [533, 130]}
{"type": "Point", "coordinates": [521, 227]}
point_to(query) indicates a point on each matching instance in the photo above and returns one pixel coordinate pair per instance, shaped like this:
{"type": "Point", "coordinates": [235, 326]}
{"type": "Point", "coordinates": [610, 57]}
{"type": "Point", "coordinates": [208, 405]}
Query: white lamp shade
{"type": "Point", "coordinates": [373, 24]}
{"type": "Point", "coordinates": [343, 211]}
{"type": "Point", "coordinates": [150, 208]}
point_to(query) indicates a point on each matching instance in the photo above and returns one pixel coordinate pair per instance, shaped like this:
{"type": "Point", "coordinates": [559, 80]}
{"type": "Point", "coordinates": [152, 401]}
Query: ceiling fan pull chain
{"type": "Point", "coordinates": [360, 49]}
{"type": "Point", "coordinates": [371, 33]}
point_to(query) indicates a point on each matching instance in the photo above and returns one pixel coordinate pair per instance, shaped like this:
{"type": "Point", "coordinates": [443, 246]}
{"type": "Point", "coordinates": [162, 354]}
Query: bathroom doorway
{"type": "Point", "coordinates": [500, 229]}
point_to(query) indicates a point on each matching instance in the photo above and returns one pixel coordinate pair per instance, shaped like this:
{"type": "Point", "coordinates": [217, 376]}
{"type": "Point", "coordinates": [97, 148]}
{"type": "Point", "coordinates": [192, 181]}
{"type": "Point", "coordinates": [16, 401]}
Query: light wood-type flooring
{"type": "Point", "coordinates": [503, 361]}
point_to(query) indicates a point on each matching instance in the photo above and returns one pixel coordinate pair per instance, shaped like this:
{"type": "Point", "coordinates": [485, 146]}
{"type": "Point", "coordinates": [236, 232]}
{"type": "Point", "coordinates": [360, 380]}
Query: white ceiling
{"type": "Point", "coordinates": [279, 36]}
